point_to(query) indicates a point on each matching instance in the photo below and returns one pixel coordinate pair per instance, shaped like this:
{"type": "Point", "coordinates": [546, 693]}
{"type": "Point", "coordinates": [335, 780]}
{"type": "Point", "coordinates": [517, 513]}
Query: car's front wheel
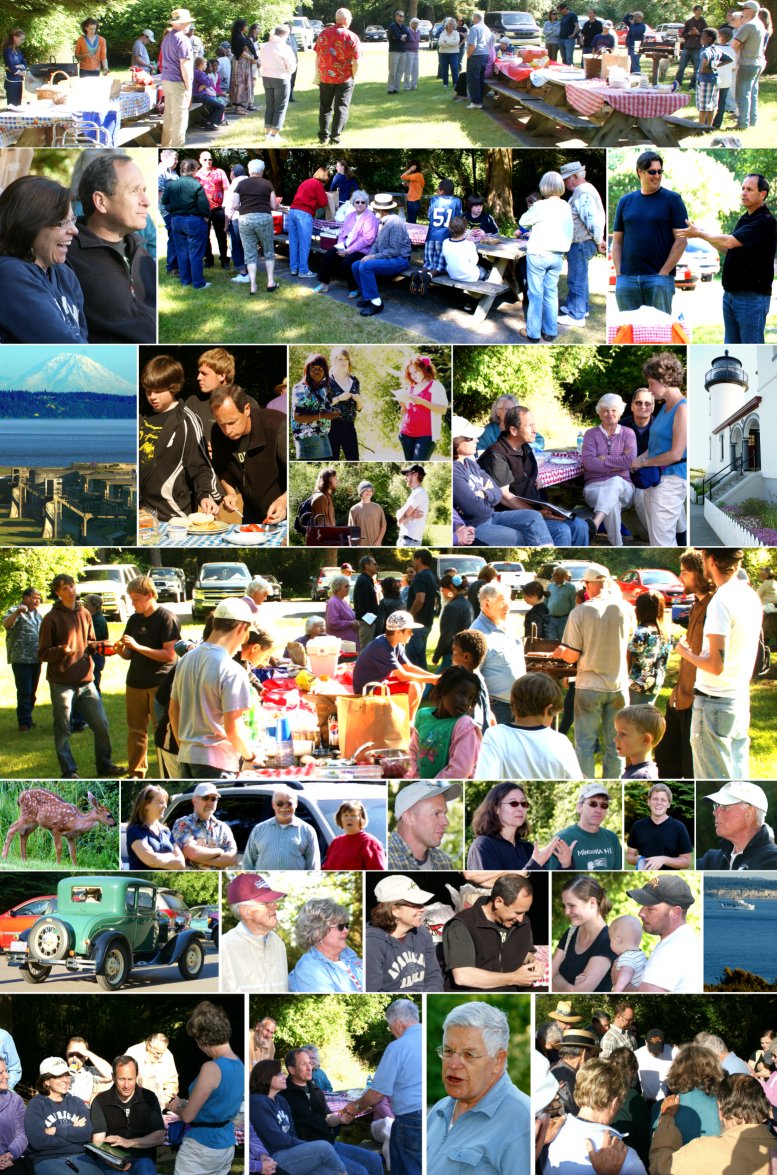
{"type": "Point", "coordinates": [192, 960]}
{"type": "Point", "coordinates": [115, 968]}
{"type": "Point", "coordinates": [34, 972]}
{"type": "Point", "coordinates": [49, 940]}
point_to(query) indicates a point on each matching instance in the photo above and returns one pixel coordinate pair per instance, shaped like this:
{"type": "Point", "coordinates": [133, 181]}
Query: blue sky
{"type": "Point", "coordinates": [17, 358]}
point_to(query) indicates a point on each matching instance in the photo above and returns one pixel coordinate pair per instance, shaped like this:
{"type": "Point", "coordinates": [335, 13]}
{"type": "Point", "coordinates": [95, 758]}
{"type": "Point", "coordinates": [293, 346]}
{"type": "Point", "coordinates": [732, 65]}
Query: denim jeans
{"type": "Point", "coordinates": [567, 49]}
{"type": "Point", "coordinates": [82, 1165]}
{"type": "Point", "coordinates": [312, 448]}
{"type": "Point", "coordinates": [687, 55]}
{"type": "Point", "coordinates": [204, 771]}
{"type": "Point", "coordinates": [744, 317]}
{"type": "Point", "coordinates": [568, 533]}
{"type": "Point", "coordinates": [720, 738]}
{"type": "Point", "coordinates": [501, 711]}
{"type": "Point", "coordinates": [412, 208]}
{"type": "Point", "coordinates": [405, 1145]}
{"type": "Point", "coordinates": [476, 77]}
{"type": "Point", "coordinates": [277, 92]}
{"type": "Point", "coordinates": [522, 528]}
{"type": "Point", "coordinates": [172, 260]}
{"type": "Point", "coordinates": [309, 1156]}
{"type": "Point", "coordinates": [191, 236]}
{"type": "Point", "coordinates": [366, 273]}
{"type": "Point", "coordinates": [578, 257]}
{"type": "Point", "coordinates": [90, 708]}
{"type": "Point", "coordinates": [358, 1160]}
{"type": "Point", "coordinates": [592, 708]}
{"type": "Point", "coordinates": [542, 274]}
{"type": "Point", "coordinates": [449, 63]}
{"type": "Point", "coordinates": [746, 95]}
{"type": "Point", "coordinates": [26, 677]}
{"type": "Point", "coordinates": [416, 646]}
{"type": "Point", "coordinates": [649, 289]}
{"type": "Point", "coordinates": [300, 229]}
{"type": "Point", "coordinates": [334, 104]}
{"type": "Point", "coordinates": [416, 448]}
{"type": "Point", "coordinates": [717, 121]}
{"type": "Point", "coordinates": [13, 92]}
{"type": "Point", "coordinates": [238, 256]}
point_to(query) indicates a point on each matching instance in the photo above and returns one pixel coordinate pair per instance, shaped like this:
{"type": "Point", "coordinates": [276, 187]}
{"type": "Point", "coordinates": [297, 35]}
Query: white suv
{"type": "Point", "coordinates": [303, 32]}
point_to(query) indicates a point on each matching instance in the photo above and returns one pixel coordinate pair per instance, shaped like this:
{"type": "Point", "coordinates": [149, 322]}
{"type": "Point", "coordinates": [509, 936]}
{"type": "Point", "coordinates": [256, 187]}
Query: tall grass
{"type": "Point", "coordinates": [96, 849]}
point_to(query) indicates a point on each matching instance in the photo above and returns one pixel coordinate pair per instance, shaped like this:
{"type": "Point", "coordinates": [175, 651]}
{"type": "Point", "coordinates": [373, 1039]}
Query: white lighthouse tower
{"type": "Point", "coordinates": [727, 385]}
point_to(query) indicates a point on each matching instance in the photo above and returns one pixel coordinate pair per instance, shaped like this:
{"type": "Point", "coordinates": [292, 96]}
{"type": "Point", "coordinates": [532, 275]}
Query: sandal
{"type": "Point", "coordinates": [271, 289]}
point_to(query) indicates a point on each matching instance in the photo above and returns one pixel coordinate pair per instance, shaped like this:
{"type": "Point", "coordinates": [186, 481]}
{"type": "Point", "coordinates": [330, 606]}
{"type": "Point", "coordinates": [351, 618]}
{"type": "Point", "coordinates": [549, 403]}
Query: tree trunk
{"type": "Point", "coordinates": [771, 48]}
{"type": "Point", "coordinates": [499, 181]}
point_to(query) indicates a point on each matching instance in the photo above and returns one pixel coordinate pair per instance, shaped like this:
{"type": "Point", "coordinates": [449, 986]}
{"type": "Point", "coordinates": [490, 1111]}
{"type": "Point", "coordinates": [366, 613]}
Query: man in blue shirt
{"type": "Point", "coordinates": [646, 241]}
{"type": "Point", "coordinates": [284, 841]}
{"type": "Point", "coordinates": [397, 33]}
{"type": "Point", "coordinates": [569, 27]}
{"type": "Point", "coordinates": [478, 42]}
{"type": "Point", "coordinates": [484, 1114]}
{"type": "Point", "coordinates": [398, 1077]}
{"type": "Point", "coordinates": [505, 660]}
{"type": "Point", "coordinates": [385, 659]}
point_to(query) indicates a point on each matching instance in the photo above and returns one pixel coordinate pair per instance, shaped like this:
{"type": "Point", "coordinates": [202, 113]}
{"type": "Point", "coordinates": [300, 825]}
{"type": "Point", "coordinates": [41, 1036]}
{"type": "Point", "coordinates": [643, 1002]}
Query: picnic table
{"type": "Point", "coordinates": [40, 124]}
{"type": "Point", "coordinates": [637, 114]}
{"type": "Point", "coordinates": [227, 538]}
{"type": "Point", "coordinates": [558, 466]}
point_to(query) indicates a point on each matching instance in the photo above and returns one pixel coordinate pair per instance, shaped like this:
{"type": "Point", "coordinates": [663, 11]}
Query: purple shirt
{"type": "Point", "coordinates": [341, 620]}
{"type": "Point", "coordinates": [176, 47]}
{"type": "Point", "coordinates": [605, 457]}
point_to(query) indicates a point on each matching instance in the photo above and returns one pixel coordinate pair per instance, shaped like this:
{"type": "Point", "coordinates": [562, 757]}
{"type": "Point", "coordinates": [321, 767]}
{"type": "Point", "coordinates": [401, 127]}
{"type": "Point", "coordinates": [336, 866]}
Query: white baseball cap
{"type": "Point", "coordinates": [591, 789]}
{"type": "Point", "coordinates": [401, 889]}
{"type": "Point", "coordinates": [461, 427]}
{"type": "Point", "coordinates": [54, 1067]}
{"type": "Point", "coordinates": [740, 793]}
{"type": "Point", "coordinates": [426, 790]}
{"type": "Point", "coordinates": [397, 621]}
{"type": "Point", "coordinates": [149, 34]}
{"type": "Point", "coordinates": [207, 789]}
{"type": "Point", "coordinates": [233, 609]}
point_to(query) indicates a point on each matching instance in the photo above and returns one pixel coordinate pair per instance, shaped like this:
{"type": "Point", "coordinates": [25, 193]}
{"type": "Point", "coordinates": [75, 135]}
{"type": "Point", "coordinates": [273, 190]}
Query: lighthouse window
{"type": "Point", "coordinates": [721, 446]}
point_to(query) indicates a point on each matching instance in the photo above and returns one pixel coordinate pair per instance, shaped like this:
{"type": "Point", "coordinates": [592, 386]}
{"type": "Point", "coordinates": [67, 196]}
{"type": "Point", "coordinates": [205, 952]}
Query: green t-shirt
{"type": "Point", "coordinates": [593, 851]}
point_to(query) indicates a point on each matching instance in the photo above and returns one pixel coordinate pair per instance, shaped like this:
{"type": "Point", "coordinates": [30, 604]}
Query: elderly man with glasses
{"type": "Point", "coordinates": [253, 956]}
{"type": "Point", "coordinates": [284, 841]}
{"type": "Point", "coordinates": [746, 841]}
{"type": "Point", "coordinates": [484, 1113]}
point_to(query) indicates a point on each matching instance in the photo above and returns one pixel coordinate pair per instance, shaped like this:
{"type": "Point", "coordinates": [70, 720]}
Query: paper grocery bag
{"type": "Point", "coordinates": [376, 716]}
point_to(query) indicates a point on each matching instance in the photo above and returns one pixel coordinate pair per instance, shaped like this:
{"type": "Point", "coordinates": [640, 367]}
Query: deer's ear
{"type": "Point", "coordinates": [94, 802]}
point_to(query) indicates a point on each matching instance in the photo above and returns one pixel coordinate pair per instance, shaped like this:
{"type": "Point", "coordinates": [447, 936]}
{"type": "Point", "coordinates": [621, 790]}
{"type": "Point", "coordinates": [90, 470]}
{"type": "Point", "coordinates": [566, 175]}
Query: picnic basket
{"type": "Point", "coordinates": [52, 91]}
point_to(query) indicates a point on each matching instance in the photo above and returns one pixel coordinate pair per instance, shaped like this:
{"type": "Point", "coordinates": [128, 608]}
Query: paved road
{"type": "Point", "coordinates": [142, 980]}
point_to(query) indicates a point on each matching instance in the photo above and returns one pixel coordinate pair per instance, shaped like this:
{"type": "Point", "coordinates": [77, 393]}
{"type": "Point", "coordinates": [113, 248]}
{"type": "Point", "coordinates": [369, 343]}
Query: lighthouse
{"type": "Point", "coordinates": [726, 384]}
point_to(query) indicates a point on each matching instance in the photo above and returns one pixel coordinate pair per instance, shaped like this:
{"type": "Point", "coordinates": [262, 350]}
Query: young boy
{"type": "Point", "coordinates": [625, 936]}
{"type": "Point", "coordinates": [468, 649]}
{"type": "Point", "coordinates": [215, 368]}
{"type": "Point", "coordinates": [707, 78]}
{"type": "Point", "coordinates": [725, 74]}
{"type": "Point", "coordinates": [638, 729]}
{"type": "Point", "coordinates": [538, 614]}
{"type": "Point", "coordinates": [442, 209]}
{"type": "Point", "coordinates": [460, 255]}
{"type": "Point", "coordinates": [527, 748]}
{"type": "Point", "coordinates": [478, 217]}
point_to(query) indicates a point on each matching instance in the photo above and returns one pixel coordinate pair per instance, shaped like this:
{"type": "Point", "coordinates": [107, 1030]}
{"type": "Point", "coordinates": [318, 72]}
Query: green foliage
{"type": "Point", "coordinates": [709, 182]}
{"type": "Point", "coordinates": [121, 23]}
{"type": "Point", "coordinates": [197, 888]}
{"type": "Point", "coordinates": [299, 887]}
{"type": "Point", "coordinates": [96, 849]}
{"type": "Point", "coordinates": [737, 979]}
{"type": "Point", "coordinates": [390, 492]}
{"type": "Point", "coordinates": [682, 807]}
{"type": "Point", "coordinates": [451, 842]}
{"type": "Point", "coordinates": [517, 1008]}
{"type": "Point", "coordinates": [615, 886]}
{"type": "Point", "coordinates": [380, 372]}
{"type": "Point", "coordinates": [21, 567]}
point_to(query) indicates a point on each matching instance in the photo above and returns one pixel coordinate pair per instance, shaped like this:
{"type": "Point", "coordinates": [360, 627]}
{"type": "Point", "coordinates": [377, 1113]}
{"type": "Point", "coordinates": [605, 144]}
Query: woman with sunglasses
{"type": "Point", "coordinates": [400, 953]}
{"type": "Point", "coordinates": [501, 827]}
{"type": "Point", "coordinates": [357, 236]}
{"type": "Point", "coordinates": [328, 964]}
{"type": "Point", "coordinates": [584, 956]}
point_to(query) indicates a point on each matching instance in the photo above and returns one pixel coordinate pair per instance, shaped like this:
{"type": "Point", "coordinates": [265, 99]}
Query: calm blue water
{"type": "Point", "coordinates": [740, 938]}
{"type": "Point", "coordinates": [60, 442]}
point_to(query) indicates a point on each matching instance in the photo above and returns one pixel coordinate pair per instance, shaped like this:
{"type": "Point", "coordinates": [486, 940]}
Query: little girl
{"type": "Point", "coordinates": [355, 849]}
{"type": "Point", "coordinates": [445, 741]}
{"type": "Point", "coordinates": [425, 402]}
{"type": "Point", "coordinates": [648, 650]}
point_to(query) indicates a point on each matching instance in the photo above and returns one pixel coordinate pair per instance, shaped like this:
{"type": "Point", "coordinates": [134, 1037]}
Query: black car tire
{"type": "Point", "coordinates": [192, 960]}
{"type": "Point", "coordinates": [49, 940]}
{"type": "Point", "coordinates": [34, 972]}
{"type": "Point", "coordinates": [115, 968]}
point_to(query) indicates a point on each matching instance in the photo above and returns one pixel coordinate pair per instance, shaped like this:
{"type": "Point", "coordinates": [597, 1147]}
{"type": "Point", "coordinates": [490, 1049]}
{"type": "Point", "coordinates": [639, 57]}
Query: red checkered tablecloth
{"type": "Point", "coordinates": [511, 68]}
{"type": "Point", "coordinates": [552, 473]}
{"type": "Point", "coordinates": [649, 333]}
{"type": "Point", "coordinates": [588, 96]}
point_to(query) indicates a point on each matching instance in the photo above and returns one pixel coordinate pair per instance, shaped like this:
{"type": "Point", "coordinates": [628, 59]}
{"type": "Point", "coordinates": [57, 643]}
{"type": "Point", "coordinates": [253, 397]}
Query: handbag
{"type": "Point", "coordinates": [376, 716]}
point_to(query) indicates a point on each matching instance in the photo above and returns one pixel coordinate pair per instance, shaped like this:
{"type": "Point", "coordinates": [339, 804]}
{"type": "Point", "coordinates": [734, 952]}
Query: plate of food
{"type": "Point", "coordinates": [205, 524]}
{"type": "Point", "coordinates": [252, 535]}
{"type": "Point", "coordinates": [563, 461]}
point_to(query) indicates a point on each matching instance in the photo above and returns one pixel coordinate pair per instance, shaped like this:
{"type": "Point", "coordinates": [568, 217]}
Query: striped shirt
{"type": "Point", "coordinates": [400, 856]}
{"type": "Point", "coordinates": [282, 846]}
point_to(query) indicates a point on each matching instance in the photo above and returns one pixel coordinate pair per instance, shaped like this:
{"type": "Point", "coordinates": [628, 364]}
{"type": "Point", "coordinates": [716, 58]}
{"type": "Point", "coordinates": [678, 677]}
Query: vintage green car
{"type": "Point", "coordinates": [104, 926]}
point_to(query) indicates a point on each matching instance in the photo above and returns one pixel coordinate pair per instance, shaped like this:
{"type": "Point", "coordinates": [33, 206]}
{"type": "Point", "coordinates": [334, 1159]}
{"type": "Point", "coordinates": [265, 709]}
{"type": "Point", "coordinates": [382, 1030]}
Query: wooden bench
{"type": "Point", "coordinates": [545, 116]}
{"type": "Point", "coordinates": [500, 90]}
{"type": "Point", "coordinates": [486, 292]}
{"type": "Point", "coordinates": [687, 124]}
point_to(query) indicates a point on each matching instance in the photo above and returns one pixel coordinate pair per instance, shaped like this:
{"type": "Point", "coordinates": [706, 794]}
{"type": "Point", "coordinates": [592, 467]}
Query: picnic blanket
{"type": "Point", "coordinates": [586, 97]}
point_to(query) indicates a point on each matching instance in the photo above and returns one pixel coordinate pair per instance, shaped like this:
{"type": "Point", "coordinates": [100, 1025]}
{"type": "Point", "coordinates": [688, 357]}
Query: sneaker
{"type": "Point", "coordinates": [415, 282]}
{"type": "Point", "coordinates": [474, 106]}
{"type": "Point", "coordinates": [307, 274]}
{"type": "Point", "coordinates": [363, 302]}
{"type": "Point", "coordinates": [205, 287]}
{"type": "Point", "coordinates": [293, 272]}
{"type": "Point", "coordinates": [568, 320]}
{"type": "Point", "coordinates": [241, 277]}
{"type": "Point", "coordinates": [354, 294]}
{"type": "Point", "coordinates": [111, 771]}
{"type": "Point", "coordinates": [564, 310]}
{"type": "Point", "coordinates": [371, 309]}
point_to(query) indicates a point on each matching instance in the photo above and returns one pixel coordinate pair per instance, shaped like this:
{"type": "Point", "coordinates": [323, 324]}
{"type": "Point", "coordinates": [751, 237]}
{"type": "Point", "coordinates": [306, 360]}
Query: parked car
{"type": "Point", "coordinates": [468, 565]}
{"type": "Point", "coordinates": [520, 25]}
{"type": "Point", "coordinates": [513, 575]}
{"type": "Point", "coordinates": [687, 272]}
{"type": "Point", "coordinates": [104, 926]}
{"type": "Point", "coordinates": [317, 27]}
{"type": "Point", "coordinates": [669, 33]}
{"type": "Point", "coordinates": [434, 36]}
{"type": "Point", "coordinates": [171, 905]}
{"type": "Point", "coordinates": [274, 594]}
{"type": "Point", "coordinates": [303, 32]}
{"type": "Point", "coordinates": [621, 32]}
{"type": "Point", "coordinates": [206, 919]}
{"type": "Point", "coordinates": [109, 582]}
{"type": "Point", "coordinates": [575, 567]}
{"type": "Point", "coordinates": [21, 917]}
{"type": "Point", "coordinates": [170, 583]}
{"type": "Point", "coordinates": [319, 584]}
{"type": "Point", "coordinates": [425, 29]}
{"type": "Point", "coordinates": [216, 582]}
{"type": "Point", "coordinates": [375, 32]}
{"type": "Point", "coordinates": [702, 256]}
{"type": "Point", "coordinates": [648, 579]}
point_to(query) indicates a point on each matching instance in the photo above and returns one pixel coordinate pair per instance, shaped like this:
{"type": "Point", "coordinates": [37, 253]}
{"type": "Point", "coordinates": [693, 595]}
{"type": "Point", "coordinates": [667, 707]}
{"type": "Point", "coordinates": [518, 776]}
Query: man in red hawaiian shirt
{"type": "Point", "coordinates": [216, 184]}
{"type": "Point", "coordinates": [337, 58]}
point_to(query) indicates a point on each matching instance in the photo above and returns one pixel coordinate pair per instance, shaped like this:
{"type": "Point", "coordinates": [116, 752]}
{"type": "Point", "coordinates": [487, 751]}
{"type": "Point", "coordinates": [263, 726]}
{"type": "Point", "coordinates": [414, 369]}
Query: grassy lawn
{"type": "Point", "coordinates": [764, 134]}
{"type": "Point", "coordinates": [373, 111]}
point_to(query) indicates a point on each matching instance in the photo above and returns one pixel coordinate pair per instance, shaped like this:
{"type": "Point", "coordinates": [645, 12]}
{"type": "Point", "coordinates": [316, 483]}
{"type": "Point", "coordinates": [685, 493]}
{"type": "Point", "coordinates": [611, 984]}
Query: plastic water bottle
{"type": "Point", "coordinates": [538, 444]}
{"type": "Point", "coordinates": [580, 442]}
{"type": "Point", "coordinates": [368, 1083]}
{"type": "Point", "coordinates": [284, 747]}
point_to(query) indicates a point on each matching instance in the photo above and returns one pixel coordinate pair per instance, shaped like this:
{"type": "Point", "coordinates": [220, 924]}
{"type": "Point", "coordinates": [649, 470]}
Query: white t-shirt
{"type": "Point", "coordinates": [676, 963]}
{"type": "Point", "coordinates": [253, 962]}
{"type": "Point", "coordinates": [414, 527]}
{"type": "Point", "coordinates": [461, 260]}
{"type": "Point", "coordinates": [735, 613]}
{"type": "Point", "coordinates": [513, 752]}
{"type": "Point", "coordinates": [653, 1071]}
{"type": "Point", "coordinates": [567, 1153]}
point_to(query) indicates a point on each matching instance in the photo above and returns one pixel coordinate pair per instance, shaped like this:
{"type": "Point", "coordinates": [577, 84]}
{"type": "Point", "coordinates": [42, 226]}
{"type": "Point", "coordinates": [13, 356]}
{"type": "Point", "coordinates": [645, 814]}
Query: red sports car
{"type": "Point", "coordinates": [649, 579]}
{"type": "Point", "coordinates": [21, 917]}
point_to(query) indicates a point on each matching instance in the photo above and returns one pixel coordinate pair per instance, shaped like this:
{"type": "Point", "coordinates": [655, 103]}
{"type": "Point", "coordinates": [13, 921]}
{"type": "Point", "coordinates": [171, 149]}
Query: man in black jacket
{"type": "Point", "coordinates": [489, 946]}
{"type": "Point", "coordinates": [127, 1115]}
{"type": "Point", "coordinates": [365, 598]}
{"type": "Point", "coordinates": [249, 454]}
{"type": "Point", "coordinates": [313, 1121]}
{"type": "Point", "coordinates": [114, 269]}
{"type": "Point", "coordinates": [746, 841]}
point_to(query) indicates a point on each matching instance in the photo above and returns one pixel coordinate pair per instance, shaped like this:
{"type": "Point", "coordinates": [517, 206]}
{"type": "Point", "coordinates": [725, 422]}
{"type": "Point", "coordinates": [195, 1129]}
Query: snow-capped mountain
{"type": "Point", "coordinates": [69, 372]}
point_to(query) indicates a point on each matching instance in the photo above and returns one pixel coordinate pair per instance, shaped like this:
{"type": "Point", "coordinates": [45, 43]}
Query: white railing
{"type": "Point", "coordinates": [730, 532]}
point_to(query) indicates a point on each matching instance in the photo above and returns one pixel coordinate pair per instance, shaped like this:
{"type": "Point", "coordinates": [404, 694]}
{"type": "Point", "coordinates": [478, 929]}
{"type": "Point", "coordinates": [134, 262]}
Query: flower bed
{"type": "Point", "coordinates": [757, 516]}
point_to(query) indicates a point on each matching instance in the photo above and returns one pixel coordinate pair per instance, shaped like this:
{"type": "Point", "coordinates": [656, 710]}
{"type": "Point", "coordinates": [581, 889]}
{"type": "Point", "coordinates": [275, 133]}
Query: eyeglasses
{"type": "Point", "coordinates": [283, 804]}
{"type": "Point", "coordinates": [69, 222]}
{"type": "Point", "coordinates": [358, 201]}
{"type": "Point", "coordinates": [341, 926]}
{"type": "Point", "coordinates": [467, 1056]}
{"type": "Point", "coordinates": [655, 170]}
{"type": "Point", "coordinates": [723, 807]}
{"type": "Point", "coordinates": [515, 804]}
{"type": "Point", "coordinates": [604, 804]}
{"type": "Point", "coordinates": [410, 905]}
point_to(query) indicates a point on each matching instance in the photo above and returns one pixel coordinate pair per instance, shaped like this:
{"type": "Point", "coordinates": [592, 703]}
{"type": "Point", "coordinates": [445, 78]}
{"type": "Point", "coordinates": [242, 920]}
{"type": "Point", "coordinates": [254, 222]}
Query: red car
{"type": "Point", "coordinates": [21, 917]}
{"type": "Point", "coordinates": [647, 579]}
{"type": "Point", "coordinates": [622, 31]}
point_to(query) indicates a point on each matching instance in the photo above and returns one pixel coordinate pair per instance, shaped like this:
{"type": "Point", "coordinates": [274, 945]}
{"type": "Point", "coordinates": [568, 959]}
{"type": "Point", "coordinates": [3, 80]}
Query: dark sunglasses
{"type": "Point", "coordinates": [283, 804]}
{"type": "Point", "coordinates": [655, 171]}
{"type": "Point", "coordinates": [341, 926]}
{"type": "Point", "coordinates": [516, 803]}
{"type": "Point", "coordinates": [604, 804]}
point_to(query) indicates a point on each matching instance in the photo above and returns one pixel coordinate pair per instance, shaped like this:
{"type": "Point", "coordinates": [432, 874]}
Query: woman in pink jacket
{"type": "Point", "coordinates": [607, 455]}
{"type": "Point", "coordinates": [357, 234]}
